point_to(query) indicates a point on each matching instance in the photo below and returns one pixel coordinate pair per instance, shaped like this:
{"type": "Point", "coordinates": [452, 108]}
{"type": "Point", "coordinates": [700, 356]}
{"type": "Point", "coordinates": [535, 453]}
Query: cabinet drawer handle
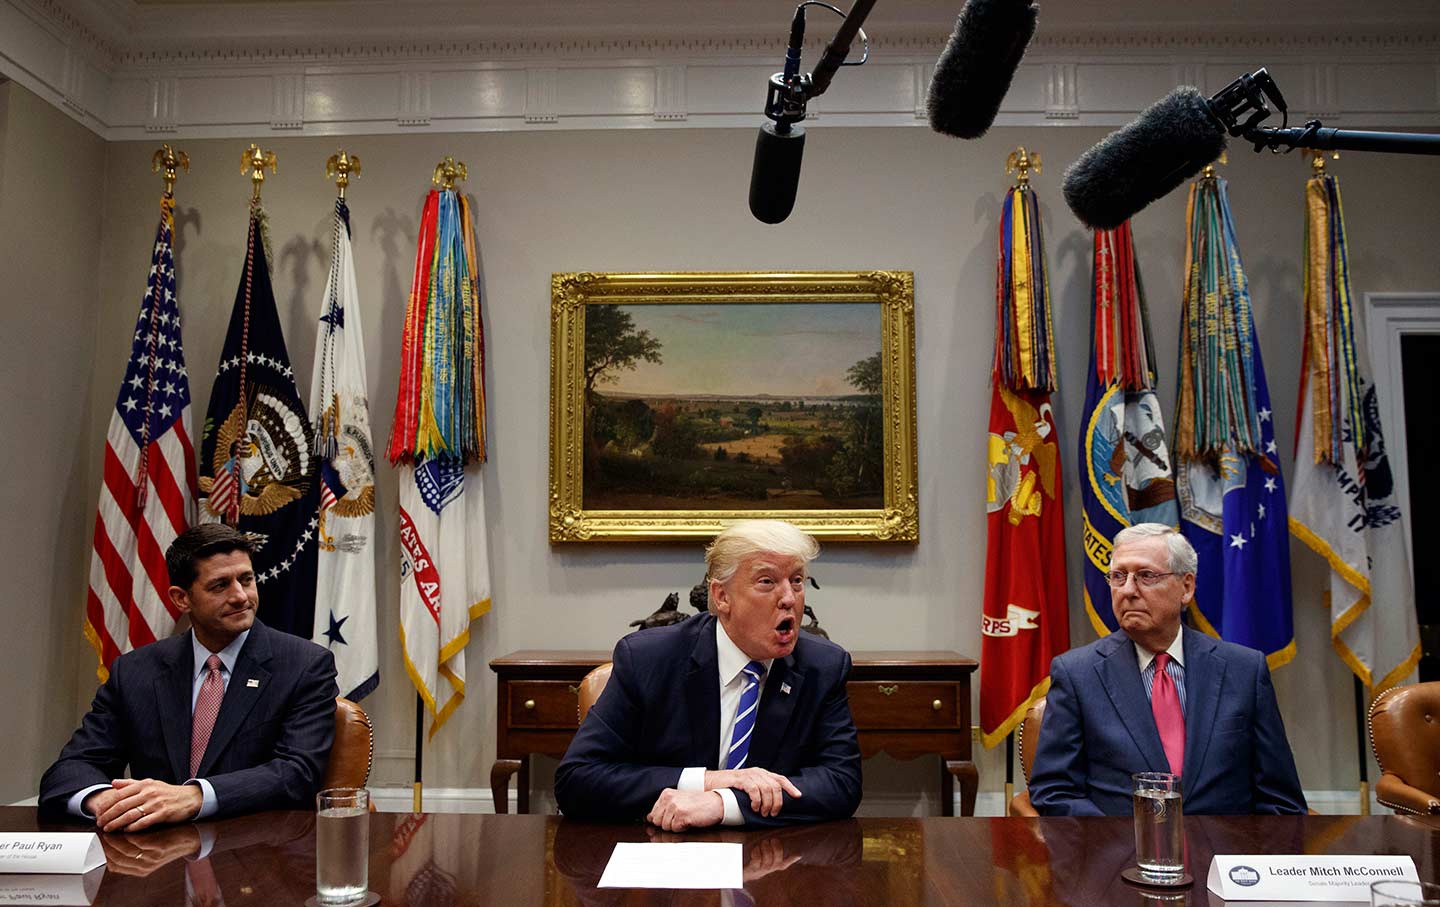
{"type": "Point", "coordinates": [530, 705]}
{"type": "Point", "coordinates": [573, 688]}
{"type": "Point", "coordinates": [890, 690]}
{"type": "Point", "coordinates": [935, 705]}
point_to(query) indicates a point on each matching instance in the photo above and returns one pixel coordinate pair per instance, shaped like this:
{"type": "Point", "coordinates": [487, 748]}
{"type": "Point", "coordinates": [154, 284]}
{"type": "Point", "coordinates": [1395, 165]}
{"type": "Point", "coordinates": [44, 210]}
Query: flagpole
{"type": "Point", "coordinates": [417, 805]}
{"type": "Point", "coordinates": [1364, 757]}
{"type": "Point", "coordinates": [1009, 770]}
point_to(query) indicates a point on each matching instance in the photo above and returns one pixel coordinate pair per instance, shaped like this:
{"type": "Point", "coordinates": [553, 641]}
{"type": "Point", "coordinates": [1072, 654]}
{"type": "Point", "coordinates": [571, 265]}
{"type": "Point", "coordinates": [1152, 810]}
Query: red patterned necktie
{"type": "Point", "coordinates": [207, 706]}
{"type": "Point", "coordinates": [1169, 721]}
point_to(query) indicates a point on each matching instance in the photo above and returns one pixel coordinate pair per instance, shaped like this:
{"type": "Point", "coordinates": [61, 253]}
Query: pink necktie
{"type": "Point", "coordinates": [1169, 721]}
{"type": "Point", "coordinates": [207, 706]}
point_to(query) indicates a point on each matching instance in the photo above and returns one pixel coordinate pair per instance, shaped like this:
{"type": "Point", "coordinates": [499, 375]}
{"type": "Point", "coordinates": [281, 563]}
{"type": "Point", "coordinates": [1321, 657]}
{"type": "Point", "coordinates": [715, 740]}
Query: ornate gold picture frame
{"type": "Point", "coordinates": [682, 402]}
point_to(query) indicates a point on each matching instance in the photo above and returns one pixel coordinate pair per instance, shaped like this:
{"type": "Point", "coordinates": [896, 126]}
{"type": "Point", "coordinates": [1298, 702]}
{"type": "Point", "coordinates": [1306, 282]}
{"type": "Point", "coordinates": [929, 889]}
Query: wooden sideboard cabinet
{"type": "Point", "coordinates": [907, 704]}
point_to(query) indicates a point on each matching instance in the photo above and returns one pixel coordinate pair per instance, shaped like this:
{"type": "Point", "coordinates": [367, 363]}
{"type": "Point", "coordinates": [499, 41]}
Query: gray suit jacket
{"type": "Point", "coordinates": [1098, 730]}
{"type": "Point", "coordinates": [268, 749]}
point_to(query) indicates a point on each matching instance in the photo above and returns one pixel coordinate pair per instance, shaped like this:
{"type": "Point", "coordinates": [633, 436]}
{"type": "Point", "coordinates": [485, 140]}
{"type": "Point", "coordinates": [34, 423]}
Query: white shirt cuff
{"type": "Point", "coordinates": [692, 779]}
{"type": "Point", "coordinates": [732, 808]}
{"type": "Point", "coordinates": [75, 806]}
{"type": "Point", "coordinates": [209, 804]}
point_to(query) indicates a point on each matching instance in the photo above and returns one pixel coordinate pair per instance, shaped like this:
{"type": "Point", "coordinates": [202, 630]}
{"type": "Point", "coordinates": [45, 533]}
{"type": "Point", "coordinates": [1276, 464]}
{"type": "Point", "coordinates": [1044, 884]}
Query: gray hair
{"type": "Point", "coordinates": [1183, 558]}
{"type": "Point", "coordinates": [740, 540]}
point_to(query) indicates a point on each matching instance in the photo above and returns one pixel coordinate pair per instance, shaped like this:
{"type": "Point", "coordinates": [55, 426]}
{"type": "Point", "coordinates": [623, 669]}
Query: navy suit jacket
{"type": "Point", "coordinates": [269, 746]}
{"type": "Point", "coordinates": [660, 713]}
{"type": "Point", "coordinates": [1098, 729]}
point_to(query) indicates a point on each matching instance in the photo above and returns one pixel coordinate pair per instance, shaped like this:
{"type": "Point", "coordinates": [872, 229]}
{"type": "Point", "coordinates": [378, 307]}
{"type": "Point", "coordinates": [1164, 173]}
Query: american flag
{"type": "Point", "coordinates": [148, 494]}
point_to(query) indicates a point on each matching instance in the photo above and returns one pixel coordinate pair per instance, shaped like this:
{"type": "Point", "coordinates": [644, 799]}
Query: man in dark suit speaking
{"type": "Point", "coordinates": [733, 717]}
{"type": "Point", "coordinates": [1156, 697]}
{"type": "Point", "coordinates": [231, 717]}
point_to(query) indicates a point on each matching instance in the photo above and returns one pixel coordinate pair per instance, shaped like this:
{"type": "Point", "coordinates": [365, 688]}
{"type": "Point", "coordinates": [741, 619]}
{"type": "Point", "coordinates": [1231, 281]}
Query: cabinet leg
{"type": "Point", "coordinates": [969, 778]}
{"type": "Point", "coordinates": [523, 797]}
{"type": "Point", "coordinates": [500, 774]}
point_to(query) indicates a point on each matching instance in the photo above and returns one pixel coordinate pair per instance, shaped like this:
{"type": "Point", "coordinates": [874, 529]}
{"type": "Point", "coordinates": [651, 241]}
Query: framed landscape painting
{"type": "Point", "coordinates": [682, 402]}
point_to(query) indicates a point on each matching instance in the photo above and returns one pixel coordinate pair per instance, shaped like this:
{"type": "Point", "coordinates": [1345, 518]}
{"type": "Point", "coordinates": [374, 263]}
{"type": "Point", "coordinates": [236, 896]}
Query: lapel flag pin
{"type": "Point", "coordinates": [252, 683]}
{"type": "Point", "coordinates": [784, 687]}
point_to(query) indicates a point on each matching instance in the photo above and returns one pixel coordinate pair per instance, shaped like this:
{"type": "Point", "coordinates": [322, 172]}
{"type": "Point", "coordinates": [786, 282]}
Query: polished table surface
{"type": "Point", "coordinates": [449, 860]}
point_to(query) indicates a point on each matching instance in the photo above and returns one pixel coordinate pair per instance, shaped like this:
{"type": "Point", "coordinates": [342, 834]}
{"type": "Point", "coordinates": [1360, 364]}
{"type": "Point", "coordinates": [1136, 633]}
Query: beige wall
{"type": "Point", "coordinates": [51, 171]}
{"type": "Point", "coordinates": [675, 200]}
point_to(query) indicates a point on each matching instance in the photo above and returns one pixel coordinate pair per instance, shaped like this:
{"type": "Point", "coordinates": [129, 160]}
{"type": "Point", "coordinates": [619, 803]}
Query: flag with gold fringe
{"type": "Point", "coordinates": [1024, 623]}
{"type": "Point", "coordinates": [438, 443]}
{"type": "Point", "coordinates": [1343, 504]}
{"type": "Point", "coordinates": [1232, 494]}
{"type": "Point", "coordinates": [1125, 474]}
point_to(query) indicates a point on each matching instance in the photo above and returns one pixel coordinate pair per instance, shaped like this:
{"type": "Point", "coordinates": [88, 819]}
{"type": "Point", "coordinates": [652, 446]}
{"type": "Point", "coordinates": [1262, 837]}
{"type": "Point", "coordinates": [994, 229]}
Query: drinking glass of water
{"type": "Point", "coordinates": [1394, 893]}
{"type": "Point", "coordinates": [1159, 829]}
{"type": "Point", "coordinates": [342, 845]}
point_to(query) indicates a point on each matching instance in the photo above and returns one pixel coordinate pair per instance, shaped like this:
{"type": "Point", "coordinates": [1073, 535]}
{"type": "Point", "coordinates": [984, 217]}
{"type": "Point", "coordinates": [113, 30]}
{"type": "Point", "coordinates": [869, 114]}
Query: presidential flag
{"type": "Point", "coordinates": [148, 493]}
{"type": "Point", "coordinates": [438, 443]}
{"type": "Point", "coordinates": [1343, 504]}
{"type": "Point", "coordinates": [1024, 623]}
{"type": "Point", "coordinates": [345, 560]}
{"type": "Point", "coordinates": [257, 451]}
{"type": "Point", "coordinates": [1232, 495]}
{"type": "Point", "coordinates": [1125, 474]}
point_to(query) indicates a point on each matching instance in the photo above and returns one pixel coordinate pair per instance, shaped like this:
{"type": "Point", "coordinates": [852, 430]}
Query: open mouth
{"type": "Point", "coordinates": [785, 629]}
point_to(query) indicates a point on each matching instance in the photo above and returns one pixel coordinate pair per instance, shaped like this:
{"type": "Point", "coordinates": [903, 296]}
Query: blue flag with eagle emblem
{"type": "Point", "coordinates": [257, 452]}
{"type": "Point", "coordinates": [1232, 495]}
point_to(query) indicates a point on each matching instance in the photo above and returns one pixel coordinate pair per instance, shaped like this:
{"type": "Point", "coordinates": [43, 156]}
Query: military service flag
{"type": "Point", "coordinates": [148, 493]}
{"type": "Point", "coordinates": [1232, 495]}
{"type": "Point", "coordinates": [257, 451]}
{"type": "Point", "coordinates": [345, 562]}
{"type": "Point", "coordinates": [1024, 623]}
{"type": "Point", "coordinates": [438, 443]}
{"type": "Point", "coordinates": [1343, 504]}
{"type": "Point", "coordinates": [1125, 475]}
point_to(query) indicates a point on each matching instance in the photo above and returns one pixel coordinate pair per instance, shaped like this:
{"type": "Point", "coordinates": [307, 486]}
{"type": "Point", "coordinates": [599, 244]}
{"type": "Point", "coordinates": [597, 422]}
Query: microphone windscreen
{"type": "Point", "coordinates": [977, 64]}
{"type": "Point", "coordinates": [1169, 142]}
{"type": "Point", "coordinates": [776, 173]}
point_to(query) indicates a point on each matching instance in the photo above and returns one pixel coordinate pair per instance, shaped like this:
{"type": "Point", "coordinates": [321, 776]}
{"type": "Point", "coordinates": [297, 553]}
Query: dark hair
{"type": "Point", "coordinates": [200, 542]}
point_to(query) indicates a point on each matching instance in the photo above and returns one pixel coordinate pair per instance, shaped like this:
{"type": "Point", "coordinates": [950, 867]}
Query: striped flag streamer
{"type": "Point", "coordinates": [1125, 474]}
{"type": "Point", "coordinates": [1232, 495]}
{"type": "Point", "coordinates": [1024, 623]}
{"type": "Point", "coordinates": [1343, 504]}
{"type": "Point", "coordinates": [339, 399]}
{"type": "Point", "coordinates": [438, 444]}
{"type": "Point", "coordinates": [148, 494]}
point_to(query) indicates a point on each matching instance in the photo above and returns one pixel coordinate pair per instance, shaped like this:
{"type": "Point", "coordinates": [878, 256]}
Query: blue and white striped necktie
{"type": "Point", "coordinates": [745, 716]}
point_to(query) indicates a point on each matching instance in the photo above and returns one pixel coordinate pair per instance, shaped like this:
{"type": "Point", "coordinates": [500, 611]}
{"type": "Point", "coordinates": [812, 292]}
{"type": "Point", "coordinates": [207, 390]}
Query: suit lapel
{"type": "Point", "coordinates": [777, 707]}
{"type": "Point", "coordinates": [173, 688]}
{"type": "Point", "coordinates": [702, 697]}
{"type": "Point", "coordinates": [248, 682]}
{"type": "Point", "coordinates": [1120, 675]}
{"type": "Point", "coordinates": [1204, 674]}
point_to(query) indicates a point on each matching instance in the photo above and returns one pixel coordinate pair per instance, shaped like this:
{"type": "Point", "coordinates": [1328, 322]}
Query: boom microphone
{"type": "Point", "coordinates": [979, 61]}
{"type": "Point", "coordinates": [1171, 141]}
{"type": "Point", "coordinates": [775, 175]}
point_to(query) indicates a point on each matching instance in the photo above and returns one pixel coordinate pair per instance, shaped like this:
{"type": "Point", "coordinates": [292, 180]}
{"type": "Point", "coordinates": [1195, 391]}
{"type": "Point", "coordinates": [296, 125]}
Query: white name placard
{"type": "Point", "coordinates": [62, 852]}
{"type": "Point", "coordinates": [1270, 877]}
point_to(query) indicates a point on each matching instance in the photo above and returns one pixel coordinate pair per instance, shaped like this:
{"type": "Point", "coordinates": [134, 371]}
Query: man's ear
{"type": "Point", "coordinates": [719, 599]}
{"type": "Point", "coordinates": [1189, 582]}
{"type": "Point", "coordinates": [180, 599]}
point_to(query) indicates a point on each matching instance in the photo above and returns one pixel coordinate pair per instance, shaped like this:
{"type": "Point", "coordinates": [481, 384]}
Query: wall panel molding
{"type": "Point", "coordinates": [124, 89]}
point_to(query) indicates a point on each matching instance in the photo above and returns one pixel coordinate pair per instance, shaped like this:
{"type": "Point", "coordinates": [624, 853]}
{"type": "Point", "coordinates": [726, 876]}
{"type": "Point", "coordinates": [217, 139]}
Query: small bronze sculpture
{"type": "Point", "coordinates": [813, 625]}
{"type": "Point", "coordinates": [700, 596]}
{"type": "Point", "coordinates": [669, 613]}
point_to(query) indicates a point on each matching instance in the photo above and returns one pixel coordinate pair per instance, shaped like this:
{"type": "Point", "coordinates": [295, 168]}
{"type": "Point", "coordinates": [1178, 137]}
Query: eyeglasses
{"type": "Point", "coordinates": [1147, 578]}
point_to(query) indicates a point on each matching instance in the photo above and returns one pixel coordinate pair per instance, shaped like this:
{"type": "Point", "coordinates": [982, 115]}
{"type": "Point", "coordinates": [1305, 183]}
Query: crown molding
{"type": "Point", "coordinates": [547, 64]}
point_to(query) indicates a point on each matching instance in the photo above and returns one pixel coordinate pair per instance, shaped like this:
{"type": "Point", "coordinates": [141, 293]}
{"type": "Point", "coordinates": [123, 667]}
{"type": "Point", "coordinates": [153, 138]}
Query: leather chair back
{"type": "Point", "coordinates": [1405, 733]}
{"type": "Point", "coordinates": [1029, 737]}
{"type": "Point", "coordinates": [591, 686]}
{"type": "Point", "coordinates": [354, 751]}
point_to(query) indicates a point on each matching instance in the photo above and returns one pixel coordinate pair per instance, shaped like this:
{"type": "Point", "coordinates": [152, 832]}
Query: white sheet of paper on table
{"type": "Point", "coordinates": [685, 864]}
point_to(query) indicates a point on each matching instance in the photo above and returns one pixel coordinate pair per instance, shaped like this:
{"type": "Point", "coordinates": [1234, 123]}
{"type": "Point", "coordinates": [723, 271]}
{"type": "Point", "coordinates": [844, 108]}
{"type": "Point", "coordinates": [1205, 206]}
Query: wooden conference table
{"type": "Point", "coordinates": [452, 859]}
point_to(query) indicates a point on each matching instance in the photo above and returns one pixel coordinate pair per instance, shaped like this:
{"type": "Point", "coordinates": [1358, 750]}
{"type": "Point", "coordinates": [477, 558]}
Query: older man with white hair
{"type": "Point", "coordinates": [732, 717]}
{"type": "Point", "coordinates": [1158, 697]}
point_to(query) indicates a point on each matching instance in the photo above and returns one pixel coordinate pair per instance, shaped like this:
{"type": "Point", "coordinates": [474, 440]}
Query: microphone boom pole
{"type": "Point", "coordinates": [1313, 135]}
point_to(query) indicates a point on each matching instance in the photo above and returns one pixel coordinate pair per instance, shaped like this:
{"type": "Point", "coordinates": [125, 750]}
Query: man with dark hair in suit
{"type": "Point", "coordinates": [1158, 697]}
{"type": "Point", "coordinates": [733, 716]}
{"type": "Point", "coordinates": [228, 718]}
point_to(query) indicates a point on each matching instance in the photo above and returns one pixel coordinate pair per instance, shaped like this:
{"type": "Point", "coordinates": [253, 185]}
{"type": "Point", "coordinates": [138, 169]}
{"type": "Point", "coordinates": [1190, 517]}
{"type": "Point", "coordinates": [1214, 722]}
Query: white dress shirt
{"type": "Point", "coordinates": [731, 662]}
